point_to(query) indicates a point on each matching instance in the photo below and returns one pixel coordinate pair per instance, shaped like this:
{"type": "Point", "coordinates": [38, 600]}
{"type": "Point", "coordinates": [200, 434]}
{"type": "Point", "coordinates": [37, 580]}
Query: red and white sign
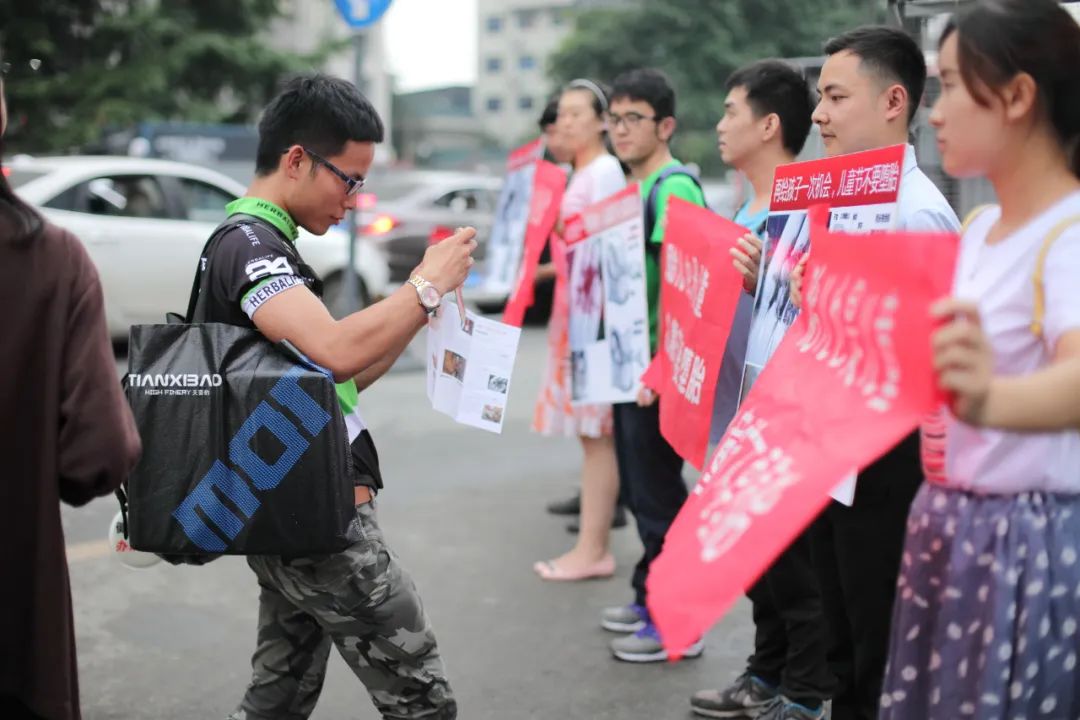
{"type": "Point", "coordinates": [549, 183]}
{"type": "Point", "coordinates": [862, 191]}
{"type": "Point", "coordinates": [698, 294]}
{"type": "Point", "coordinates": [524, 217]}
{"type": "Point", "coordinates": [852, 378]}
{"type": "Point", "coordinates": [608, 325]}
{"type": "Point", "coordinates": [866, 178]}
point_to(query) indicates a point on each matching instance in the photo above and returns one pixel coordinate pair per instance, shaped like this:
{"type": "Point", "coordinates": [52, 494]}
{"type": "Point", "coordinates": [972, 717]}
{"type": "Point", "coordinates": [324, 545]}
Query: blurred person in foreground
{"type": "Point", "coordinates": [68, 436]}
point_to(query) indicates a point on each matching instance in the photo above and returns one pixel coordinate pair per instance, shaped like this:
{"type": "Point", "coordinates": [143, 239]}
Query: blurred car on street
{"type": "Point", "coordinates": [144, 223]}
{"type": "Point", "coordinates": [406, 210]}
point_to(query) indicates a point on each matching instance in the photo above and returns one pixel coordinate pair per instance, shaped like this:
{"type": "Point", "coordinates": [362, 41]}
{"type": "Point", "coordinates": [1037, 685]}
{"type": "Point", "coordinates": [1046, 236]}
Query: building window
{"type": "Point", "coordinates": [558, 16]}
{"type": "Point", "coordinates": [494, 24]}
{"type": "Point", "coordinates": [493, 65]}
{"type": "Point", "coordinates": [526, 62]}
{"type": "Point", "coordinates": [525, 102]}
{"type": "Point", "coordinates": [494, 104]}
{"type": "Point", "coordinates": [526, 19]}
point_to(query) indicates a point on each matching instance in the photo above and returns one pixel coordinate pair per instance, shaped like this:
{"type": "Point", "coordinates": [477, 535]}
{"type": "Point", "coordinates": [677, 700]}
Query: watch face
{"type": "Point", "coordinates": [430, 297]}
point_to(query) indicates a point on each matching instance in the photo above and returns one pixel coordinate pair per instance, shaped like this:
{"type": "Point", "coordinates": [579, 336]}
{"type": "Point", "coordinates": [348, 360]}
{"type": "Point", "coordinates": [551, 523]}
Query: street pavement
{"type": "Point", "coordinates": [464, 510]}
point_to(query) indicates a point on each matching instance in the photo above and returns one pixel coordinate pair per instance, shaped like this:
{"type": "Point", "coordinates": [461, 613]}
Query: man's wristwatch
{"type": "Point", "coordinates": [428, 294]}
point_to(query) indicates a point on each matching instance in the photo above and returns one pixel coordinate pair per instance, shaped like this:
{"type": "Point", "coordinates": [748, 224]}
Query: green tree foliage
{"type": "Point", "coordinates": [113, 63]}
{"type": "Point", "coordinates": [698, 43]}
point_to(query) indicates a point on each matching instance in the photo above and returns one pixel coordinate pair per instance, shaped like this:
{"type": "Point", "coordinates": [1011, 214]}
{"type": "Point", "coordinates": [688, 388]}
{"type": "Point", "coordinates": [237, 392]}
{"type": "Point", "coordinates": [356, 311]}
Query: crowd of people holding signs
{"type": "Point", "coordinates": [882, 400]}
{"type": "Point", "coordinates": [809, 340]}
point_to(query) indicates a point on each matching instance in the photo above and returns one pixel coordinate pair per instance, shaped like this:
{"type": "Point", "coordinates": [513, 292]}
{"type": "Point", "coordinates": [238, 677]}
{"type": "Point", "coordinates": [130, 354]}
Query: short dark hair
{"type": "Point", "coordinates": [999, 39]}
{"type": "Point", "coordinates": [773, 86]}
{"type": "Point", "coordinates": [550, 114]}
{"type": "Point", "coordinates": [320, 112]}
{"type": "Point", "coordinates": [890, 53]}
{"type": "Point", "coordinates": [647, 85]}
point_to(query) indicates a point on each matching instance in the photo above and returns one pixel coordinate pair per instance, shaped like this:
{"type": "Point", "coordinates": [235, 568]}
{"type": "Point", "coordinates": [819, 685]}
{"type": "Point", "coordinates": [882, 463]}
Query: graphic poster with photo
{"type": "Point", "coordinates": [861, 191]}
{"type": "Point", "coordinates": [609, 331]}
{"type": "Point", "coordinates": [506, 246]}
{"type": "Point", "coordinates": [469, 366]}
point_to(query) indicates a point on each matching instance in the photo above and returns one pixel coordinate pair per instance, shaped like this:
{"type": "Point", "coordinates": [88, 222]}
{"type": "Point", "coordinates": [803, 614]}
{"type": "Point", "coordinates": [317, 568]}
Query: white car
{"type": "Point", "coordinates": [144, 223]}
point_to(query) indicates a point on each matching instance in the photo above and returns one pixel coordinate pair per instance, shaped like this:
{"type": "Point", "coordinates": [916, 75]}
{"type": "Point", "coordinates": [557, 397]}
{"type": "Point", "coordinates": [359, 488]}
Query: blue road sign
{"type": "Point", "coordinates": [361, 13]}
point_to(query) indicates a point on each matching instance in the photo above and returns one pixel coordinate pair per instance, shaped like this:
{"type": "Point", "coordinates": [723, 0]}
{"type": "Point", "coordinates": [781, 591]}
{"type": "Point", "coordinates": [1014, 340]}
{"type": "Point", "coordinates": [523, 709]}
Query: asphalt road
{"type": "Point", "coordinates": [464, 510]}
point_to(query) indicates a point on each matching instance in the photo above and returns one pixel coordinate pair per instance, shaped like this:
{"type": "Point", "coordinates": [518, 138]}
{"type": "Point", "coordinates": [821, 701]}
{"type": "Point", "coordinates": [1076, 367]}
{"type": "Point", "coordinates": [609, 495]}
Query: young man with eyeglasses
{"type": "Point", "coordinates": [316, 142]}
{"type": "Point", "coordinates": [641, 122]}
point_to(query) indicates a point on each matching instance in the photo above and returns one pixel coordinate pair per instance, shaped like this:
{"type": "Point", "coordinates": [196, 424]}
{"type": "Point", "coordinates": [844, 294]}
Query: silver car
{"type": "Point", "coordinates": [407, 210]}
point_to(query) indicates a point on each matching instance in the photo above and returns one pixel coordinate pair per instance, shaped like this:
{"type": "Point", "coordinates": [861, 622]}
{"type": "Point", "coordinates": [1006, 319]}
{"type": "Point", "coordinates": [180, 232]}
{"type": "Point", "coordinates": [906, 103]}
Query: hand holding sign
{"type": "Point", "coordinates": [963, 359]}
{"type": "Point", "coordinates": [852, 377]}
{"type": "Point", "coordinates": [747, 258]}
{"type": "Point", "coordinates": [699, 294]}
{"type": "Point", "coordinates": [796, 280]}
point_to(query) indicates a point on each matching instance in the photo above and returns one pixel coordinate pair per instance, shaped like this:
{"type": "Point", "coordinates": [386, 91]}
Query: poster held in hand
{"type": "Point", "coordinates": [852, 378]}
{"type": "Point", "coordinates": [609, 329]}
{"type": "Point", "coordinates": [525, 216]}
{"type": "Point", "coordinates": [862, 191]}
{"type": "Point", "coordinates": [699, 292]}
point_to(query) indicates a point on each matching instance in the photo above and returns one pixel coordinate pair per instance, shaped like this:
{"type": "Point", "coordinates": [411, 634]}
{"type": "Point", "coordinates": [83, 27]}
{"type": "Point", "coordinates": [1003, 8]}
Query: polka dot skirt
{"type": "Point", "coordinates": [987, 609]}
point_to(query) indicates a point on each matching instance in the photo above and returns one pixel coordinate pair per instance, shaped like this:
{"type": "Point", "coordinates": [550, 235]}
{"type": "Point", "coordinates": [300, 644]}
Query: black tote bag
{"type": "Point", "coordinates": [245, 450]}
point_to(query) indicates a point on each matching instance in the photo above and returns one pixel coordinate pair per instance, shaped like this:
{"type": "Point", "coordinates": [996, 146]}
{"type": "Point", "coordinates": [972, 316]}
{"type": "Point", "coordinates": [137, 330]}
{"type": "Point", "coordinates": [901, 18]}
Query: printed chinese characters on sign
{"type": "Point", "coordinates": [861, 191]}
{"type": "Point", "coordinates": [699, 293]}
{"type": "Point", "coordinates": [852, 378]}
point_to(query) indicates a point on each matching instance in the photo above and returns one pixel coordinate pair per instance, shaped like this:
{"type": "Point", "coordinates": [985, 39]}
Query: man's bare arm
{"type": "Point", "coordinates": [379, 333]}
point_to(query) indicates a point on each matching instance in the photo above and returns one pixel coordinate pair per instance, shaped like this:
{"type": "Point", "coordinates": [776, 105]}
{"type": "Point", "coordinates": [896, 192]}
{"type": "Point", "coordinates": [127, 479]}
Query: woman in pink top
{"type": "Point", "coordinates": [597, 175]}
{"type": "Point", "coordinates": [987, 617]}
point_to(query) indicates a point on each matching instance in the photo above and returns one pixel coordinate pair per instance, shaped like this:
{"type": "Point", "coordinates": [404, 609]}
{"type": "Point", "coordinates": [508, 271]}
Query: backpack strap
{"type": "Point", "coordinates": [654, 198]}
{"type": "Point", "coordinates": [231, 223]}
{"type": "Point", "coordinates": [1039, 314]}
{"type": "Point", "coordinates": [196, 284]}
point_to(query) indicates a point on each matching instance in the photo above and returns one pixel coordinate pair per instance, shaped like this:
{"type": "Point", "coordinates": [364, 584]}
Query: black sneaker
{"type": "Point", "coordinates": [569, 506]}
{"type": "Point", "coordinates": [617, 521]}
{"type": "Point", "coordinates": [745, 699]}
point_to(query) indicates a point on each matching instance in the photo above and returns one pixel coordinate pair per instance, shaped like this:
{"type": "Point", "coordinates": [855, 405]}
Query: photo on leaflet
{"type": "Point", "coordinates": [498, 384]}
{"type": "Point", "coordinates": [454, 365]}
{"type": "Point", "coordinates": [492, 413]}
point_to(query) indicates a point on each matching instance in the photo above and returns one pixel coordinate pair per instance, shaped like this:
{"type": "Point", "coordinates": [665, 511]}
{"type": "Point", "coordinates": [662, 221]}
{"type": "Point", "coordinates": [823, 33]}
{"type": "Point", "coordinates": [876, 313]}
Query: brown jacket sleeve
{"type": "Point", "coordinates": [99, 444]}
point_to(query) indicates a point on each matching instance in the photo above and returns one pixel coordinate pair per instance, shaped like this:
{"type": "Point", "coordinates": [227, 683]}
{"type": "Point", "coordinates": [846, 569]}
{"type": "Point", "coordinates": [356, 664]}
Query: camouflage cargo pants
{"type": "Point", "coordinates": [363, 602]}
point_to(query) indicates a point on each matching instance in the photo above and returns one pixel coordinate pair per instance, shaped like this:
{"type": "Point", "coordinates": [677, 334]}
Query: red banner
{"type": "Point", "coordinates": [850, 380]}
{"type": "Point", "coordinates": [699, 291]}
{"type": "Point", "coordinates": [866, 178]}
{"type": "Point", "coordinates": [527, 153]}
{"type": "Point", "coordinates": [549, 183]}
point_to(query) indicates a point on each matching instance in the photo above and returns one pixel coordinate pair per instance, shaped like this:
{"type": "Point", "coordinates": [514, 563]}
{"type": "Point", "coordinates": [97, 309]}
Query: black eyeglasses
{"type": "Point", "coordinates": [352, 185]}
{"type": "Point", "coordinates": [630, 119]}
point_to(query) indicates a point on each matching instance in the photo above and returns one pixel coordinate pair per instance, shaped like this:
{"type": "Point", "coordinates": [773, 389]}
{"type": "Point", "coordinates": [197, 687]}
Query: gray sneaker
{"type": "Point", "coordinates": [747, 698]}
{"type": "Point", "coordinates": [624, 619]}
{"type": "Point", "coordinates": [644, 646]}
{"type": "Point", "coordinates": [785, 709]}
